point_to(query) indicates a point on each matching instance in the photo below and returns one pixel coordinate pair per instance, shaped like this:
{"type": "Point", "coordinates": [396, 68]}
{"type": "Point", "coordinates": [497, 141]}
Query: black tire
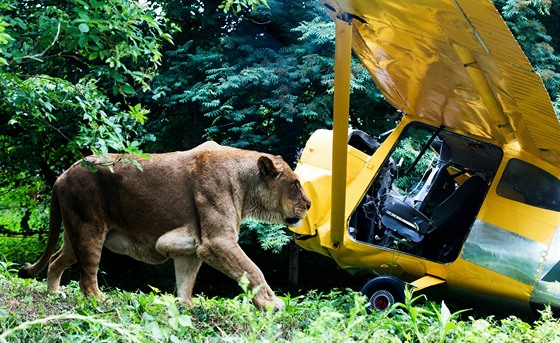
{"type": "Point", "coordinates": [383, 292]}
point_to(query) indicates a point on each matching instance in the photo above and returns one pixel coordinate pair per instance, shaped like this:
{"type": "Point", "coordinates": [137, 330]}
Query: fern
{"type": "Point", "coordinates": [280, 79]}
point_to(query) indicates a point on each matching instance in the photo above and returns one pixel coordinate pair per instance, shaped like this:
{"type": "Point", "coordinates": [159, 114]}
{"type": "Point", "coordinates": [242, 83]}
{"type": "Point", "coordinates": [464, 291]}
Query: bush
{"type": "Point", "coordinates": [27, 314]}
{"type": "Point", "coordinates": [21, 250]}
{"type": "Point", "coordinates": [269, 236]}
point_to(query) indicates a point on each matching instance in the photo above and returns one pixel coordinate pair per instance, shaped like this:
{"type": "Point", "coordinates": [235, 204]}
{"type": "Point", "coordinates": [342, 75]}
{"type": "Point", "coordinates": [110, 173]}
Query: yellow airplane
{"type": "Point", "coordinates": [464, 194]}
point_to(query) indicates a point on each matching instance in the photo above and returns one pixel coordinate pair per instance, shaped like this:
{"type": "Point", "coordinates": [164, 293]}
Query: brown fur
{"type": "Point", "coordinates": [184, 205]}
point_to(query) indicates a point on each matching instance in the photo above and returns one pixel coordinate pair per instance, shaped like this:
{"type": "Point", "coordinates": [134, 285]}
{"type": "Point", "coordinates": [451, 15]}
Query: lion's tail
{"type": "Point", "coordinates": [55, 224]}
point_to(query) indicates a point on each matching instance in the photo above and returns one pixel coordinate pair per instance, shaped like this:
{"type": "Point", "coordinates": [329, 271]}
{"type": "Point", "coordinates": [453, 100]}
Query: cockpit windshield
{"type": "Point", "coordinates": [427, 193]}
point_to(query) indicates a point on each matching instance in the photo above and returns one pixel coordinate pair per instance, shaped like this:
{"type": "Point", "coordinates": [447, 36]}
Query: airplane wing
{"type": "Point", "coordinates": [454, 62]}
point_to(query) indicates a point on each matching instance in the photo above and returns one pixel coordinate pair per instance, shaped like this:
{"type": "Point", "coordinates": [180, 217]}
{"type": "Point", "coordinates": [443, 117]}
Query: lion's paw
{"type": "Point", "coordinates": [57, 295]}
{"type": "Point", "coordinates": [274, 304]}
{"type": "Point", "coordinates": [278, 304]}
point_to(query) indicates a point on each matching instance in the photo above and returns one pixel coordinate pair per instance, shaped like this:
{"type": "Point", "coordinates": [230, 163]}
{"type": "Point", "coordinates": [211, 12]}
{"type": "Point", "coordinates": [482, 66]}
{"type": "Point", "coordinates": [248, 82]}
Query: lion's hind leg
{"type": "Point", "coordinates": [88, 259]}
{"type": "Point", "coordinates": [87, 239]}
{"type": "Point", "coordinates": [61, 260]}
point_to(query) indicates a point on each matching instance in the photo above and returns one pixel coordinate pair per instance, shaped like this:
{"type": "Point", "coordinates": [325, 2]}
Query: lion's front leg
{"type": "Point", "coordinates": [224, 254]}
{"type": "Point", "coordinates": [186, 269]}
{"type": "Point", "coordinates": [181, 247]}
{"type": "Point", "coordinates": [219, 220]}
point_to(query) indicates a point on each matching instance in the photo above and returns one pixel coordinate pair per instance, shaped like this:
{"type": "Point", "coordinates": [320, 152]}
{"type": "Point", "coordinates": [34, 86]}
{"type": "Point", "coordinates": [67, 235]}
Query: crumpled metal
{"type": "Point", "coordinates": [456, 63]}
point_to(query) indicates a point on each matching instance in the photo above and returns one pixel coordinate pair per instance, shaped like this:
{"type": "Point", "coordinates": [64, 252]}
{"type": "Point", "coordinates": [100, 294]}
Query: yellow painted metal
{"type": "Point", "coordinates": [353, 255]}
{"type": "Point", "coordinates": [516, 216]}
{"type": "Point", "coordinates": [343, 55]}
{"type": "Point", "coordinates": [425, 282]}
{"type": "Point", "coordinates": [481, 84]}
{"type": "Point", "coordinates": [442, 62]}
{"type": "Point", "coordinates": [456, 63]}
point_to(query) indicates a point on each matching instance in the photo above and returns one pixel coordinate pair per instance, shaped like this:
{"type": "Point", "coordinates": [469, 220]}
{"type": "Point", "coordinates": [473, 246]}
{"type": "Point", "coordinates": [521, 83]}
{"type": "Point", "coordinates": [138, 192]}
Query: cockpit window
{"type": "Point", "coordinates": [427, 193]}
{"type": "Point", "coordinates": [531, 185]}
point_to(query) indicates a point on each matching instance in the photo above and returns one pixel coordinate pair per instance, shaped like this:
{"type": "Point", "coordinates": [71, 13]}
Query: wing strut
{"type": "Point", "coordinates": [342, 59]}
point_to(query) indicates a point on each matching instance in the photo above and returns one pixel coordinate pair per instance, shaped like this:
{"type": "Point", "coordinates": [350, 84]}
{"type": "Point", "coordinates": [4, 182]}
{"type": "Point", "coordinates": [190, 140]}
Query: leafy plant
{"type": "Point", "coordinates": [268, 236]}
{"type": "Point", "coordinates": [21, 249]}
{"type": "Point", "coordinates": [70, 70]}
{"type": "Point", "coordinates": [338, 315]}
{"type": "Point", "coordinates": [237, 6]}
{"type": "Point", "coordinates": [447, 324]}
{"type": "Point", "coordinates": [265, 84]}
{"type": "Point", "coordinates": [528, 21]}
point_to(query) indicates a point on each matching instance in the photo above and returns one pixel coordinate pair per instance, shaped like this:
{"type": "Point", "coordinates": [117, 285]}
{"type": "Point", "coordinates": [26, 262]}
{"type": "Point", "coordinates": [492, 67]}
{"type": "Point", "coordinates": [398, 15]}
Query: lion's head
{"type": "Point", "coordinates": [283, 199]}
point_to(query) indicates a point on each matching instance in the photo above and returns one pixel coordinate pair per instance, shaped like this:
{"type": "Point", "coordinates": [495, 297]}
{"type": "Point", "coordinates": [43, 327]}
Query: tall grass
{"type": "Point", "coordinates": [28, 315]}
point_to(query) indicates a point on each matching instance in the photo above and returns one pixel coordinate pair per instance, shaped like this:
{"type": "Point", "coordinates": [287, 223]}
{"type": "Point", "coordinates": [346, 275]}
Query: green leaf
{"type": "Point", "coordinates": [20, 100]}
{"type": "Point", "coordinates": [185, 320]}
{"type": "Point", "coordinates": [83, 27]}
{"type": "Point", "coordinates": [97, 4]}
{"type": "Point", "coordinates": [138, 165]}
{"type": "Point", "coordinates": [93, 55]}
{"type": "Point", "coordinates": [83, 42]}
{"type": "Point", "coordinates": [127, 89]}
{"type": "Point", "coordinates": [82, 13]}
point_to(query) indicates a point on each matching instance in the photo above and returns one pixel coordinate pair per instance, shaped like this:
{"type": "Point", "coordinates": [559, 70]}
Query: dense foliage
{"type": "Point", "coordinates": [27, 314]}
{"type": "Point", "coordinates": [264, 83]}
{"type": "Point", "coordinates": [69, 69]}
{"type": "Point", "coordinates": [535, 26]}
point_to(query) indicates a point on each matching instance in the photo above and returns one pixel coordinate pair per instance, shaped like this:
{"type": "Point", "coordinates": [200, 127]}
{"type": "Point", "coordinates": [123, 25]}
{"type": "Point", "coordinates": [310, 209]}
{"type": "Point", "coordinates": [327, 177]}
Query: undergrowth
{"type": "Point", "coordinates": [27, 314]}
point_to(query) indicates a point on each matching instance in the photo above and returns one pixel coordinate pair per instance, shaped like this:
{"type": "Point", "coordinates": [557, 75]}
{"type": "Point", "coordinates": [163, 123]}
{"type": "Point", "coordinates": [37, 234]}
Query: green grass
{"type": "Point", "coordinates": [27, 314]}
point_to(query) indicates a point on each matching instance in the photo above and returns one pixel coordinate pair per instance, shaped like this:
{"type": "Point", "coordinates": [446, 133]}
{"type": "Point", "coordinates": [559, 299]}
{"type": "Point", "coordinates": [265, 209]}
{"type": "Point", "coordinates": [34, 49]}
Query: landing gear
{"type": "Point", "coordinates": [383, 292]}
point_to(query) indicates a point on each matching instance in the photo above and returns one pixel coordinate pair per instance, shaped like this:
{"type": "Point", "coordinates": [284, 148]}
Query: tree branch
{"type": "Point", "coordinates": [42, 53]}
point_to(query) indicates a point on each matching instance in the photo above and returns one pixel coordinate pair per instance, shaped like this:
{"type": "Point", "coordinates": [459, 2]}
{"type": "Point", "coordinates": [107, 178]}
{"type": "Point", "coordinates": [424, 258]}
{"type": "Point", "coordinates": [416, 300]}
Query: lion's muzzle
{"type": "Point", "coordinates": [295, 221]}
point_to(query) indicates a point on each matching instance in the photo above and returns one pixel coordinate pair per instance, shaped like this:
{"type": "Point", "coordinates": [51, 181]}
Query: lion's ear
{"type": "Point", "coordinates": [270, 167]}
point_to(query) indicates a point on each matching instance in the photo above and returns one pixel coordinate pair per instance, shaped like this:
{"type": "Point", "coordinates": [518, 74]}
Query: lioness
{"type": "Point", "coordinates": [183, 205]}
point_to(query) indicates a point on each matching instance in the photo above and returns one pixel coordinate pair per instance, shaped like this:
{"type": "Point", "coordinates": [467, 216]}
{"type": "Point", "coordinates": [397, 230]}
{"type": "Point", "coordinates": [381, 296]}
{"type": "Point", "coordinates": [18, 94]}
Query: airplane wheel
{"type": "Point", "coordinates": [383, 292]}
